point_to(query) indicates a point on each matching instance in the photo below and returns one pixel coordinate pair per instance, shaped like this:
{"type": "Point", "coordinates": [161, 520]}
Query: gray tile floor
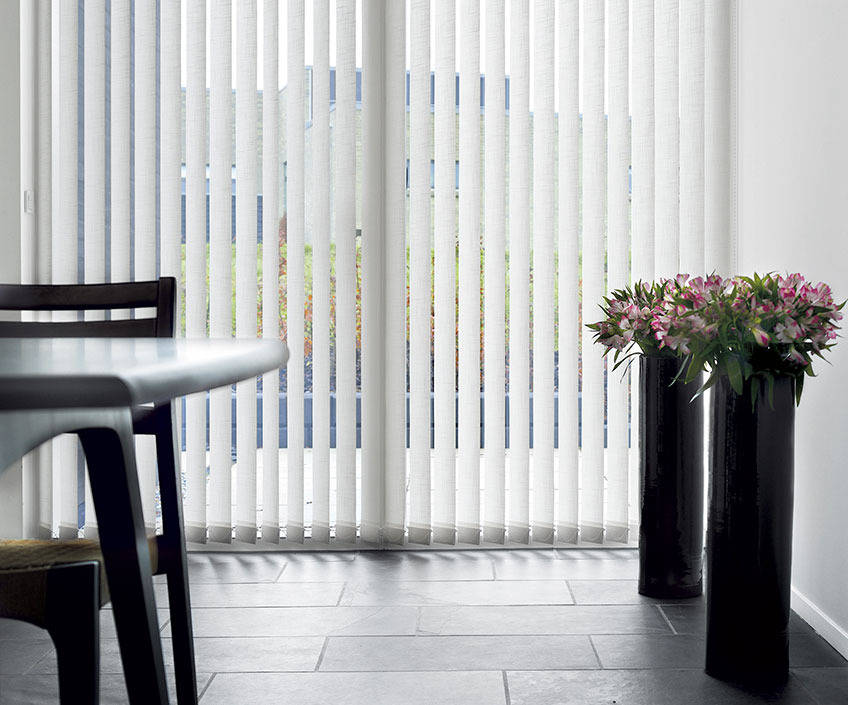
{"type": "Point", "coordinates": [532, 627]}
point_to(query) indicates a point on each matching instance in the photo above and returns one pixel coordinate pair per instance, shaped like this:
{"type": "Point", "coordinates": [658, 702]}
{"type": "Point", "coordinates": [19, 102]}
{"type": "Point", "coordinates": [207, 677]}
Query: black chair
{"type": "Point", "coordinates": [60, 585]}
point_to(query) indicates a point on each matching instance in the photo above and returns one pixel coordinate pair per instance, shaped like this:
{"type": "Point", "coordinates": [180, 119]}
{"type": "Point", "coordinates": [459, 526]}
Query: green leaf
{"type": "Point", "coordinates": [711, 381]}
{"type": "Point", "coordinates": [770, 381]}
{"type": "Point", "coordinates": [755, 390]}
{"type": "Point", "coordinates": [734, 373]}
{"type": "Point", "coordinates": [799, 387]}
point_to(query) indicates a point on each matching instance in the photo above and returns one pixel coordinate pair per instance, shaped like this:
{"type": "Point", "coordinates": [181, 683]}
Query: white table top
{"type": "Point", "coordinates": [67, 373]}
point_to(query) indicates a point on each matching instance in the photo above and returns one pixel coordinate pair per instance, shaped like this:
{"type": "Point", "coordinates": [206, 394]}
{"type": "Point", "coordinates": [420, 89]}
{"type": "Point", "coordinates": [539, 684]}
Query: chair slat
{"type": "Point", "coordinates": [80, 297]}
{"type": "Point", "coordinates": [137, 328]}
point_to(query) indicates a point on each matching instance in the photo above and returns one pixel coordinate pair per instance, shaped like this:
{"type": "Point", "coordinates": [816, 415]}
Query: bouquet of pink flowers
{"type": "Point", "coordinates": [743, 327]}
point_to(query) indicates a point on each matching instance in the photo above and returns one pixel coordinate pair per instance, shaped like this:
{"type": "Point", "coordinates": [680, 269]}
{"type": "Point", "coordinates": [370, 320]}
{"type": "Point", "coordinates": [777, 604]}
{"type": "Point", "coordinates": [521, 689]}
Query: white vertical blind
{"type": "Point", "coordinates": [44, 232]}
{"type": "Point", "coordinates": [618, 261]}
{"type": "Point", "coordinates": [344, 145]}
{"type": "Point", "coordinates": [569, 229]}
{"type": "Point", "coordinates": [543, 273]}
{"type": "Point", "coordinates": [373, 410]}
{"type": "Point", "coordinates": [64, 255]}
{"type": "Point", "coordinates": [94, 175]}
{"type": "Point", "coordinates": [420, 146]}
{"type": "Point", "coordinates": [394, 374]}
{"type": "Point", "coordinates": [170, 145]}
{"type": "Point", "coordinates": [145, 210]}
{"type": "Point", "coordinates": [270, 270]}
{"type": "Point", "coordinates": [195, 261]}
{"type": "Point", "coordinates": [519, 272]}
{"type": "Point", "coordinates": [692, 137]}
{"type": "Point", "coordinates": [444, 332]}
{"type": "Point", "coordinates": [594, 187]}
{"type": "Point", "coordinates": [295, 269]}
{"type": "Point", "coordinates": [468, 462]}
{"type": "Point", "coordinates": [220, 263]}
{"type": "Point", "coordinates": [717, 122]}
{"type": "Point", "coordinates": [246, 284]}
{"type": "Point", "coordinates": [321, 272]}
{"type": "Point", "coordinates": [673, 147]}
{"type": "Point", "coordinates": [494, 347]}
{"type": "Point", "coordinates": [667, 144]}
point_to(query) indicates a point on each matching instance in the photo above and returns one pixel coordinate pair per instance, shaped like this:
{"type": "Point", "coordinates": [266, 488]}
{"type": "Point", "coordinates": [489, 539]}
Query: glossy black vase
{"type": "Point", "coordinates": [749, 535]}
{"type": "Point", "coordinates": [671, 462]}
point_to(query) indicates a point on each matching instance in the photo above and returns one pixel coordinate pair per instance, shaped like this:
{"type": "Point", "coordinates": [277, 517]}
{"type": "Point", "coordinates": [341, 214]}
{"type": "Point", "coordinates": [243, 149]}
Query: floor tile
{"type": "Point", "coordinates": [44, 689]}
{"type": "Point", "coordinates": [649, 651]}
{"type": "Point", "coordinates": [829, 686]}
{"type": "Point", "coordinates": [16, 629]}
{"type": "Point", "coordinates": [304, 621]}
{"type": "Point", "coordinates": [576, 619]}
{"type": "Point", "coordinates": [468, 688]}
{"type": "Point", "coordinates": [509, 566]}
{"type": "Point", "coordinates": [19, 656]}
{"type": "Point", "coordinates": [258, 594]}
{"type": "Point", "coordinates": [690, 618]}
{"type": "Point", "coordinates": [616, 592]}
{"type": "Point", "coordinates": [394, 566]}
{"type": "Point", "coordinates": [457, 653]}
{"type": "Point", "coordinates": [641, 687]}
{"type": "Point", "coordinates": [811, 651]}
{"type": "Point", "coordinates": [470, 592]}
{"type": "Point", "coordinates": [235, 567]}
{"type": "Point", "coordinates": [107, 622]}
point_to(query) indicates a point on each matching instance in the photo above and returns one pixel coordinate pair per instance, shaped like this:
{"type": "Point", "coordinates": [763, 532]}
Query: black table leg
{"type": "Point", "coordinates": [114, 486]}
{"type": "Point", "coordinates": [172, 551]}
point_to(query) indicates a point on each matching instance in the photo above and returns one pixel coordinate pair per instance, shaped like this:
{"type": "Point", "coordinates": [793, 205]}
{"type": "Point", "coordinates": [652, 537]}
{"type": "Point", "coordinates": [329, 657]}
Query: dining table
{"type": "Point", "coordinates": [93, 387]}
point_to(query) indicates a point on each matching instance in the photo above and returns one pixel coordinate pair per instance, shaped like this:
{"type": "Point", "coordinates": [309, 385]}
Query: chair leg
{"type": "Point", "coordinates": [172, 553]}
{"type": "Point", "coordinates": [73, 621]}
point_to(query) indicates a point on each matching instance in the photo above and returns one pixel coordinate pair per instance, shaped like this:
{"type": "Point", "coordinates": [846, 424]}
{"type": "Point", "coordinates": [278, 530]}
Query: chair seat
{"type": "Point", "coordinates": [28, 555]}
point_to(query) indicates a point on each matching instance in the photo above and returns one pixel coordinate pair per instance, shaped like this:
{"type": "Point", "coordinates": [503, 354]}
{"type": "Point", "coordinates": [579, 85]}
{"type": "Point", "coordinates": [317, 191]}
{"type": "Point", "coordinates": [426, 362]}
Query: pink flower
{"type": "Point", "coordinates": [760, 336]}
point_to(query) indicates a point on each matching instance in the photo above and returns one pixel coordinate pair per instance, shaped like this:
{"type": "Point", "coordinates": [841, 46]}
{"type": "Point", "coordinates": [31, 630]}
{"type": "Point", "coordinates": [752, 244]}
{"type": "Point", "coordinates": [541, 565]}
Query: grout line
{"type": "Point", "coordinates": [321, 655]}
{"type": "Point", "coordinates": [282, 570]}
{"type": "Point", "coordinates": [206, 687]}
{"type": "Point", "coordinates": [595, 651]}
{"type": "Point", "coordinates": [341, 594]}
{"type": "Point", "coordinates": [667, 620]}
{"type": "Point", "coordinates": [494, 571]}
{"type": "Point", "coordinates": [571, 592]}
{"type": "Point", "coordinates": [506, 688]}
{"type": "Point", "coordinates": [418, 621]}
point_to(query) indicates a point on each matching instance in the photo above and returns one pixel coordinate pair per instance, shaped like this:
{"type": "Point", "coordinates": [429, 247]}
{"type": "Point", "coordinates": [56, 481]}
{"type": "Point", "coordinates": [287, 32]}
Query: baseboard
{"type": "Point", "coordinates": [829, 630]}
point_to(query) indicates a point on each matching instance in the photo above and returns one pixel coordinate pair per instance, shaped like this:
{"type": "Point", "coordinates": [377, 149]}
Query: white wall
{"type": "Point", "coordinates": [793, 215]}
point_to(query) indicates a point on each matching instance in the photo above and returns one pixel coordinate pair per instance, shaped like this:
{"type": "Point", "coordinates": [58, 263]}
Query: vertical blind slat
{"type": "Point", "coordinates": [543, 273]}
{"type": "Point", "coordinates": [644, 188]}
{"type": "Point", "coordinates": [246, 284]}
{"type": "Point", "coordinates": [145, 210]}
{"type": "Point", "coordinates": [618, 256]}
{"type": "Point", "coordinates": [468, 464]}
{"type": "Point", "coordinates": [667, 145]}
{"type": "Point", "coordinates": [220, 263]}
{"type": "Point", "coordinates": [420, 149]}
{"type": "Point", "coordinates": [395, 272]}
{"type": "Point", "coordinates": [345, 232]}
{"type": "Point", "coordinates": [373, 410]}
{"type": "Point", "coordinates": [295, 269]}
{"type": "Point", "coordinates": [519, 273]}
{"type": "Point", "coordinates": [44, 230]}
{"type": "Point", "coordinates": [494, 274]}
{"type": "Point", "coordinates": [64, 256]}
{"type": "Point", "coordinates": [119, 138]}
{"type": "Point", "coordinates": [195, 260]}
{"type": "Point", "coordinates": [692, 137]}
{"type": "Point", "coordinates": [270, 270]}
{"type": "Point", "coordinates": [594, 186]}
{"type": "Point", "coordinates": [321, 272]}
{"type": "Point", "coordinates": [717, 112]}
{"type": "Point", "coordinates": [569, 229]}
{"type": "Point", "coordinates": [444, 333]}
{"type": "Point", "coordinates": [94, 175]}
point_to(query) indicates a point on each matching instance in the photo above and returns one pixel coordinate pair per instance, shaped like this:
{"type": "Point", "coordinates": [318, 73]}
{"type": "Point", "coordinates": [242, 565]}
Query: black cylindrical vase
{"type": "Point", "coordinates": [749, 535]}
{"type": "Point", "coordinates": [671, 461]}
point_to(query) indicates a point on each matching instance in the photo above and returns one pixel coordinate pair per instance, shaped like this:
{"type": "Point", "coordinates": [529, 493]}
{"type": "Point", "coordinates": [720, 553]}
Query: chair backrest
{"type": "Point", "coordinates": [159, 295]}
